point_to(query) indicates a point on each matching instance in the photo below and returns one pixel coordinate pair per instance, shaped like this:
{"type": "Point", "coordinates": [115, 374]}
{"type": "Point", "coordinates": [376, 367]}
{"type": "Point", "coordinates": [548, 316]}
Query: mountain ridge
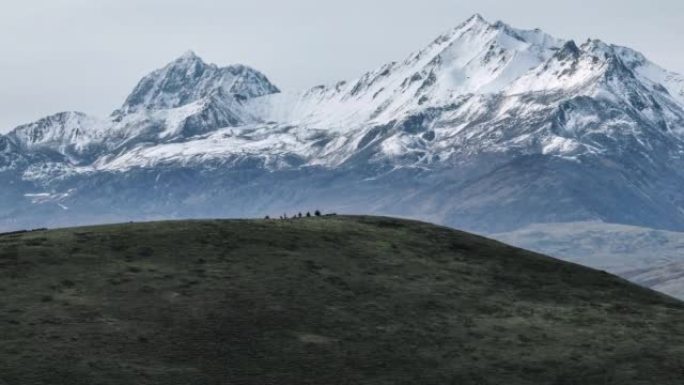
{"type": "Point", "coordinates": [488, 128]}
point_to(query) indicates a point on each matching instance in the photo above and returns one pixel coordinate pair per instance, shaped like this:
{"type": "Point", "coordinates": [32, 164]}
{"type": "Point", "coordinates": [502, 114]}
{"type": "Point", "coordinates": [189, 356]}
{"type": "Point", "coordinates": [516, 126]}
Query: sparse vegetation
{"type": "Point", "coordinates": [335, 300]}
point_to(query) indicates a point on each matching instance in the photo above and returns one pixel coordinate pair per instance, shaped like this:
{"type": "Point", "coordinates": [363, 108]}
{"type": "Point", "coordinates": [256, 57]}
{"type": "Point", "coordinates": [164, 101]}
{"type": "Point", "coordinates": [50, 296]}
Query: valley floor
{"type": "Point", "coordinates": [649, 257]}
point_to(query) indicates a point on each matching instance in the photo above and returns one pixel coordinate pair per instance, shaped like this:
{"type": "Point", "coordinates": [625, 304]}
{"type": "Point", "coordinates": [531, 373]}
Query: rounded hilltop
{"type": "Point", "coordinates": [320, 300]}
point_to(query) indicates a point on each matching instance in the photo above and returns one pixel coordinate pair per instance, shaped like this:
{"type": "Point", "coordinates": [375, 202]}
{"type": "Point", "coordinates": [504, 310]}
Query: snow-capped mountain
{"type": "Point", "coordinates": [188, 80]}
{"type": "Point", "coordinates": [489, 128]}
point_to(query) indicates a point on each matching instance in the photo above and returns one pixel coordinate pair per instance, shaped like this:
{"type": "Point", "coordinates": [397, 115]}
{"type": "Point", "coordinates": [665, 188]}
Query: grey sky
{"type": "Point", "coordinates": [86, 55]}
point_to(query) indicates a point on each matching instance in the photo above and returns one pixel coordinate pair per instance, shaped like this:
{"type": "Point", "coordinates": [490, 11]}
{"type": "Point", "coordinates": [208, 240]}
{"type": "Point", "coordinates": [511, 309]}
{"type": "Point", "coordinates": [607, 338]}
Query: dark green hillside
{"type": "Point", "coordinates": [333, 300]}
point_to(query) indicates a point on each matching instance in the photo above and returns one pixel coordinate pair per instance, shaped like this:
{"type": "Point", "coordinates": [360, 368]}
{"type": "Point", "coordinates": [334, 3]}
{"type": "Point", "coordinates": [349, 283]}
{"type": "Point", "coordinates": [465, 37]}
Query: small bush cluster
{"type": "Point", "coordinates": [317, 213]}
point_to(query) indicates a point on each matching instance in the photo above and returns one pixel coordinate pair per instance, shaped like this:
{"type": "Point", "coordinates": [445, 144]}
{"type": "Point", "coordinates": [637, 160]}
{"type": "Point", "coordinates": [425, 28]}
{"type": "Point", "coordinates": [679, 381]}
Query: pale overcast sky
{"type": "Point", "coordinates": [86, 55]}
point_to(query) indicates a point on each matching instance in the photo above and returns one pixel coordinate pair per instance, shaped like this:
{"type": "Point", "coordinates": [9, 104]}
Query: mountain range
{"type": "Point", "coordinates": [488, 128]}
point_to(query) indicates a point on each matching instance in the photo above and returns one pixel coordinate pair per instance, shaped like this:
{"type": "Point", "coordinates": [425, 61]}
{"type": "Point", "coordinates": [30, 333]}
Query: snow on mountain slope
{"type": "Point", "coordinates": [273, 145]}
{"type": "Point", "coordinates": [72, 128]}
{"type": "Point", "coordinates": [490, 87]}
{"type": "Point", "coordinates": [214, 111]}
{"type": "Point", "coordinates": [68, 133]}
{"type": "Point", "coordinates": [662, 80]}
{"type": "Point", "coordinates": [185, 98]}
{"type": "Point", "coordinates": [488, 126]}
{"type": "Point", "coordinates": [475, 57]}
{"type": "Point", "coordinates": [188, 97]}
{"type": "Point", "coordinates": [479, 87]}
{"type": "Point", "coordinates": [188, 79]}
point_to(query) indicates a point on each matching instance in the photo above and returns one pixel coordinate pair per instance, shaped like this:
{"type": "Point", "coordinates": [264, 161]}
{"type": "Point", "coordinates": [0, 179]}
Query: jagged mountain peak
{"type": "Point", "coordinates": [477, 44]}
{"type": "Point", "coordinates": [189, 79]}
{"type": "Point", "coordinates": [476, 57]}
{"type": "Point", "coordinates": [476, 18]}
{"type": "Point", "coordinates": [189, 61]}
{"type": "Point", "coordinates": [573, 69]}
{"type": "Point", "coordinates": [65, 132]}
{"type": "Point", "coordinates": [478, 27]}
{"type": "Point", "coordinates": [599, 47]}
{"type": "Point", "coordinates": [33, 131]}
{"type": "Point", "coordinates": [569, 51]}
{"type": "Point", "coordinates": [189, 55]}
{"type": "Point", "coordinates": [185, 61]}
{"type": "Point", "coordinates": [473, 22]}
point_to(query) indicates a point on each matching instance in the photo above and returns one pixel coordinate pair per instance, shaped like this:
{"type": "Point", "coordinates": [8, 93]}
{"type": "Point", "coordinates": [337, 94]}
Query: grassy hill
{"type": "Point", "coordinates": [333, 300]}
